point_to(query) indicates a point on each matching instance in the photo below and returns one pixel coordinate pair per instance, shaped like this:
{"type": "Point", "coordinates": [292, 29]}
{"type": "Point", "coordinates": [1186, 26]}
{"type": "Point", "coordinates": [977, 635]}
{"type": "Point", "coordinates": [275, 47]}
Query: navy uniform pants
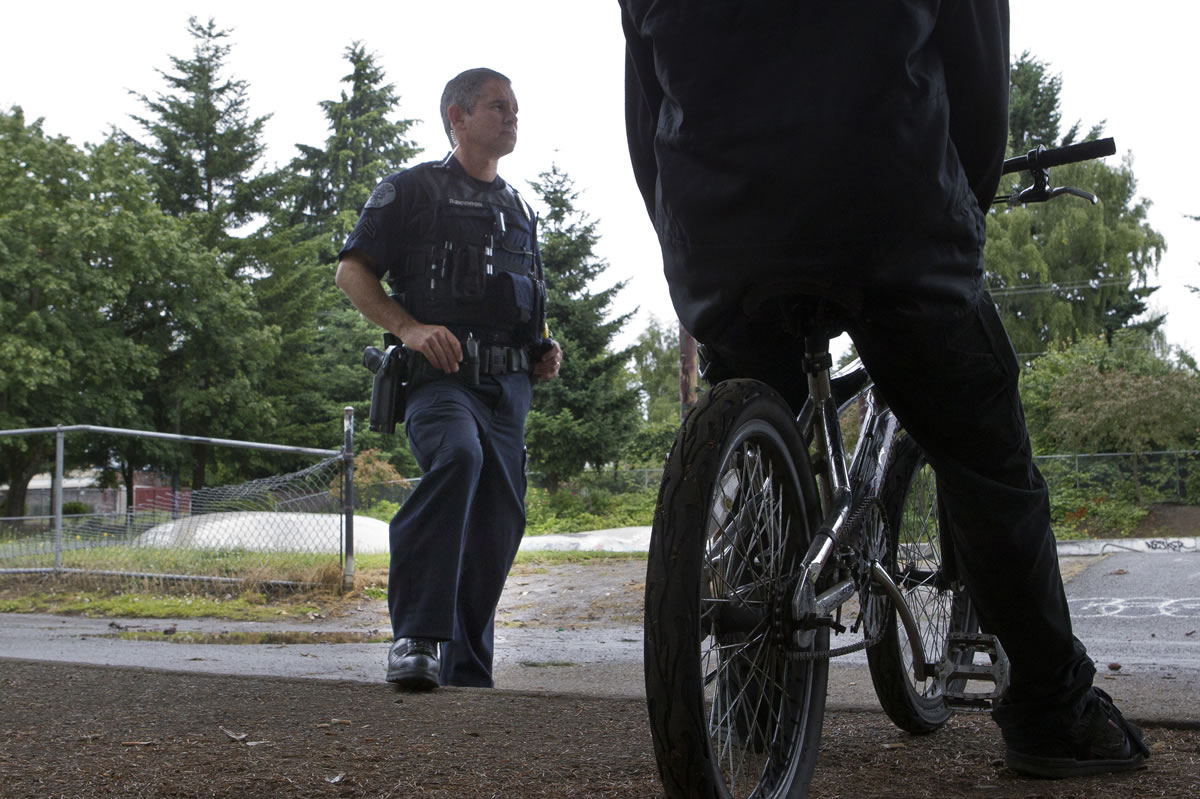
{"type": "Point", "coordinates": [453, 541]}
{"type": "Point", "coordinates": [952, 383]}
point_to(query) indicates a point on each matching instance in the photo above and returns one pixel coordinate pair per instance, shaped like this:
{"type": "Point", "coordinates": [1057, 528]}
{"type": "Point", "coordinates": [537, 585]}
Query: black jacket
{"type": "Point", "coordinates": [816, 146]}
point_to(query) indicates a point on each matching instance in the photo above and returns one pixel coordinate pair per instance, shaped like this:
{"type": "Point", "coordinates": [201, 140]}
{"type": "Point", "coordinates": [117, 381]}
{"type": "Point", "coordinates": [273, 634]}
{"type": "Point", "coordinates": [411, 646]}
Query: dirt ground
{"type": "Point", "coordinates": [1170, 521]}
{"type": "Point", "coordinates": [93, 731]}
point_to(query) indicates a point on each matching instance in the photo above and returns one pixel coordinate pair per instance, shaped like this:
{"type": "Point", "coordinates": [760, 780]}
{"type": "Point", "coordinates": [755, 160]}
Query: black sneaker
{"type": "Point", "coordinates": [1100, 741]}
{"type": "Point", "coordinates": [413, 664]}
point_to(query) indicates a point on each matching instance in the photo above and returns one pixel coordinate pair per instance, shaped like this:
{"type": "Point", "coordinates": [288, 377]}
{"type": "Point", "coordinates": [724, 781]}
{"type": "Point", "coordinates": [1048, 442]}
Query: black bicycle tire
{"type": "Point", "coordinates": [916, 710]}
{"type": "Point", "coordinates": [733, 413]}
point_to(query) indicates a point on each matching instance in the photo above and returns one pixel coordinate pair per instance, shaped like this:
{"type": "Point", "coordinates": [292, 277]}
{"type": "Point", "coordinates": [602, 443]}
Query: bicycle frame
{"type": "Point", "coordinates": [846, 491]}
{"type": "Point", "coordinates": [843, 497]}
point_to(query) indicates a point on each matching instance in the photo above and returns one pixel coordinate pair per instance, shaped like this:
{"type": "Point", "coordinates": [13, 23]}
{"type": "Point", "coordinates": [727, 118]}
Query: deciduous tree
{"type": "Point", "coordinates": [1066, 268]}
{"type": "Point", "coordinates": [103, 297]}
{"type": "Point", "coordinates": [1126, 396]}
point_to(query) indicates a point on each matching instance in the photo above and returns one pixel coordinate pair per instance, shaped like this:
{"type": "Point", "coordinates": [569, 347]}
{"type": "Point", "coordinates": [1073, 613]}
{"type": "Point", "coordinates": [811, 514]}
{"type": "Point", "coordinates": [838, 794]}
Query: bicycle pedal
{"type": "Point", "coordinates": [958, 670]}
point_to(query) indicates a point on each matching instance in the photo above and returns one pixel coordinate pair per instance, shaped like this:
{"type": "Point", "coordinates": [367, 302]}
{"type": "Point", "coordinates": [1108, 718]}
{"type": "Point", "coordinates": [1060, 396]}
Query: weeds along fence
{"type": "Point", "coordinates": [293, 530]}
{"type": "Point", "coordinates": [620, 481]}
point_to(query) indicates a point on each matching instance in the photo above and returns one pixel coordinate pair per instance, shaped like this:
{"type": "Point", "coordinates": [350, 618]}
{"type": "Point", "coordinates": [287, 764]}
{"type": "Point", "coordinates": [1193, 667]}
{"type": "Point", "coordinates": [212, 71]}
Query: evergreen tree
{"type": "Point", "coordinates": [587, 414]}
{"type": "Point", "coordinates": [327, 186]}
{"type": "Point", "coordinates": [316, 206]}
{"type": "Point", "coordinates": [1033, 101]}
{"type": "Point", "coordinates": [1066, 268]}
{"type": "Point", "coordinates": [203, 145]}
{"type": "Point", "coordinates": [202, 149]}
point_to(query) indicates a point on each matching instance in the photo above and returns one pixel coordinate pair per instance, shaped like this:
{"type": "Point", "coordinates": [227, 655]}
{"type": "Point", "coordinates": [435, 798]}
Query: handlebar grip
{"type": "Point", "coordinates": [1044, 159]}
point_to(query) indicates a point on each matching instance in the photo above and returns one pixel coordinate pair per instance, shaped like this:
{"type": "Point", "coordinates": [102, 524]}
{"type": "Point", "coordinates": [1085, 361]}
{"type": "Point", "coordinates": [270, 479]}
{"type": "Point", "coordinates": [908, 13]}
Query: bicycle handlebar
{"type": "Point", "coordinates": [1044, 159]}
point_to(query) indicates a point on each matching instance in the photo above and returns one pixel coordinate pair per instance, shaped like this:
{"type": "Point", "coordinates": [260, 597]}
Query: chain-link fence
{"type": "Point", "coordinates": [1149, 478]}
{"type": "Point", "coordinates": [1143, 479]}
{"type": "Point", "coordinates": [396, 492]}
{"type": "Point", "coordinates": [621, 481]}
{"type": "Point", "coordinates": [293, 529]}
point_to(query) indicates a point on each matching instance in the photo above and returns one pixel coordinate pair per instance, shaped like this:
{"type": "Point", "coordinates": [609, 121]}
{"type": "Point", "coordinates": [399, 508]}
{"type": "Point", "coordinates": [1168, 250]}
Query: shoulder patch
{"type": "Point", "coordinates": [383, 194]}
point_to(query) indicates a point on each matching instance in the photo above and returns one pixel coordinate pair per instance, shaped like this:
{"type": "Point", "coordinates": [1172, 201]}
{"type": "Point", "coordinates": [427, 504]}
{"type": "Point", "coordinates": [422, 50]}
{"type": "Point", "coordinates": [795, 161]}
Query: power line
{"type": "Point", "coordinates": [1047, 288]}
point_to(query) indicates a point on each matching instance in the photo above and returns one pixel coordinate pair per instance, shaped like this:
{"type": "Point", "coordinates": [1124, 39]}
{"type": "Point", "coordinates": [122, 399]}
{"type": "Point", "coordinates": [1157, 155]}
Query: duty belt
{"type": "Point", "coordinates": [494, 360]}
{"type": "Point", "coordinates": [491, 359]}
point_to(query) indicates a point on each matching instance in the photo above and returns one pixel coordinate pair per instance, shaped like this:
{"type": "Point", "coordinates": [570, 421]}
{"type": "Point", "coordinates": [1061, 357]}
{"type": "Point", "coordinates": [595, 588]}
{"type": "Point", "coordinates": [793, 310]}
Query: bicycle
{"type": "Point", "coordinates": [763, 535]}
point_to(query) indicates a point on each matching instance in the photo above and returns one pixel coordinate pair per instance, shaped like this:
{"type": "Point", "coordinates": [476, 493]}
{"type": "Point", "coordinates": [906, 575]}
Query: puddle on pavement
{"type": "Point", "coordinates": [276, 637]}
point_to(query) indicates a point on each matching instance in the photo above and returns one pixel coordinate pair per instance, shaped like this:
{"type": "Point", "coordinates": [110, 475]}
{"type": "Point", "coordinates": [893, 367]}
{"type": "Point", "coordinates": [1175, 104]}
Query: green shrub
{"type": "Point", "coordinates": [598, 503]}
{"type": "Point", "coordinates": [76, 508]}
{"type": "Point", "coordinates": [1087, 513]}
{"type": "Point", "coordinates": [382, 510]}
{"type": "Point", "coordinates": [650, 444]}
{"type": "Point", "coordinates": [573, 509]}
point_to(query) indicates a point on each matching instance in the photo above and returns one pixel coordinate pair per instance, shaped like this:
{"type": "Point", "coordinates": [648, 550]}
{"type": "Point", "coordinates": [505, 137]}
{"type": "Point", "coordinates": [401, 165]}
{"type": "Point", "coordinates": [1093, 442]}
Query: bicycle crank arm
{"type": "Point", "coordinates": [884, 581]}
{"type": "Point", "coordinates": [804, 600]}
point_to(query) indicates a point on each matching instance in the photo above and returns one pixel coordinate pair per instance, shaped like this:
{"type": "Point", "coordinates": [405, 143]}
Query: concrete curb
{"type": "Point", "coordinates": [637, 539]}
{"type": "Point", "coordinates": [1168, 546]}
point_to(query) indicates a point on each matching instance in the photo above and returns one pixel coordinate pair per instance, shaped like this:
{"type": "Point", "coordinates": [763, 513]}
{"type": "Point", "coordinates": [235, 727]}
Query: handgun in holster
{"type": "Point", "coordinates": [471, 359]}
{"type": "Point", "coordinates": [388, 396]}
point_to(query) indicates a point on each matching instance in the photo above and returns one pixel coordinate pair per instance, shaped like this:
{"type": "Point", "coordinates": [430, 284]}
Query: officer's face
{"type": "Point", "coordinates": [491, 129]}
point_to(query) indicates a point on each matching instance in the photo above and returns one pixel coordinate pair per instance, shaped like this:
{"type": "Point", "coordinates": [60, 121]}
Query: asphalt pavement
{"type": "Point", "coordinates": [1136, 605]}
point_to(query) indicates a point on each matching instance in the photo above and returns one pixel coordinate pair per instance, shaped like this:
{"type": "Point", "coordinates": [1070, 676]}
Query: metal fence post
{"type": "Point", "coordinates": [1178, 479]}
{"type": "Point", "coordinates": [348, 500]}
{"type": "Point", "coordinates": [58, 494]}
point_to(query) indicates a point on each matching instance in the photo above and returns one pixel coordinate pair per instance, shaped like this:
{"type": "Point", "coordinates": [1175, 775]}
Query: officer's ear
{"type": "Point", "coordinates": [457, 117]}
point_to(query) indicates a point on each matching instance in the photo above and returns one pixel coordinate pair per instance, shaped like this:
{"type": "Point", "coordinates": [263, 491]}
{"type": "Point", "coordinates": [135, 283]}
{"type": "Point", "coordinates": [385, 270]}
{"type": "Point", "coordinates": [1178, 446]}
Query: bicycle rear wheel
{"type": "Point", "coordinates": [734, 708]}
{"type": "Point", "coordinates": [920, 565]}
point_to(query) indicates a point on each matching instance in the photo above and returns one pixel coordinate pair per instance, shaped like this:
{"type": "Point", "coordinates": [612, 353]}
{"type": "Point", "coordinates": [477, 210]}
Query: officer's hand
{"type": "Point", "coordinates": [439, 346]}
{"type": "Point", "coordinates": [546, 367]}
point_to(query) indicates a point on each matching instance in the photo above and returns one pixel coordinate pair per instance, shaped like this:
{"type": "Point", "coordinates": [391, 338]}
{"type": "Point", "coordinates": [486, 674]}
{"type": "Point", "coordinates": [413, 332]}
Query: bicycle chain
{"type": "Point", "coordinates": [826, 654]}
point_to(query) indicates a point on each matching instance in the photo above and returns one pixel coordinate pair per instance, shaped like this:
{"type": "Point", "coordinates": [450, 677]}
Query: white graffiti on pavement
{"type": "Point", "coordinates": [1136, 607]}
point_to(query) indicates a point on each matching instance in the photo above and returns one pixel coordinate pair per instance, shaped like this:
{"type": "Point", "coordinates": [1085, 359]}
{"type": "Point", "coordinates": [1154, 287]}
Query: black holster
{"type": "Point", "coordinates": [389, 390]}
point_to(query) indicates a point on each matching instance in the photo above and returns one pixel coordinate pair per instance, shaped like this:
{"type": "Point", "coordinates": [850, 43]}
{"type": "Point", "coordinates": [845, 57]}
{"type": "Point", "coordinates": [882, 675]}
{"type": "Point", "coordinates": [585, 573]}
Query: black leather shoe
{"type": "Point", "coordinates": [413, 664]}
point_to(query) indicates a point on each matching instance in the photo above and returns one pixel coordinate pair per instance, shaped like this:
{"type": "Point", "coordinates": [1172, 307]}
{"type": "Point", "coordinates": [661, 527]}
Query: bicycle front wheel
{"type": "Point", "coordinates": [920, 564]}
{"type": "Point", "coordinates": [735, 707]}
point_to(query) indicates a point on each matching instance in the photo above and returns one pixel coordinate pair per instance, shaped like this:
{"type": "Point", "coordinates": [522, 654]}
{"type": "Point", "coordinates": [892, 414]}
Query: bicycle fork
{"type": "Point", "coordinates": [820, 413]}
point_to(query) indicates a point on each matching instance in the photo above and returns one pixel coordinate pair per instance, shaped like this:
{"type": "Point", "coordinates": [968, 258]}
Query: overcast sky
{"type": "Point", "coordinates": [1129, 65]}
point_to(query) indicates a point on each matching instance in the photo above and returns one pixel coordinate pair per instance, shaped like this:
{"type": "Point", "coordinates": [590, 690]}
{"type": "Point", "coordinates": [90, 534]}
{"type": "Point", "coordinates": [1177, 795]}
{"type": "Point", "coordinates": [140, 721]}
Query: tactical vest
{"type": "Point", "coordinates": [474, 267]}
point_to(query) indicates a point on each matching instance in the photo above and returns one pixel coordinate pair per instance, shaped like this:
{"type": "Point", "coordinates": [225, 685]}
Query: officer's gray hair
{"type": "Point", "coordinates": [463, 90]}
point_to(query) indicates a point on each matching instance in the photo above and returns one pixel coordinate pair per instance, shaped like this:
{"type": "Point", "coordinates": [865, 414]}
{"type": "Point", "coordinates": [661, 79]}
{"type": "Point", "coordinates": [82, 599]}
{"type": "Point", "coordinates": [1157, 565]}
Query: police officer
{"type": "Point", "coordinates": [459, 248]}
{"type": "Point", "coordinates": [849, 151]}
